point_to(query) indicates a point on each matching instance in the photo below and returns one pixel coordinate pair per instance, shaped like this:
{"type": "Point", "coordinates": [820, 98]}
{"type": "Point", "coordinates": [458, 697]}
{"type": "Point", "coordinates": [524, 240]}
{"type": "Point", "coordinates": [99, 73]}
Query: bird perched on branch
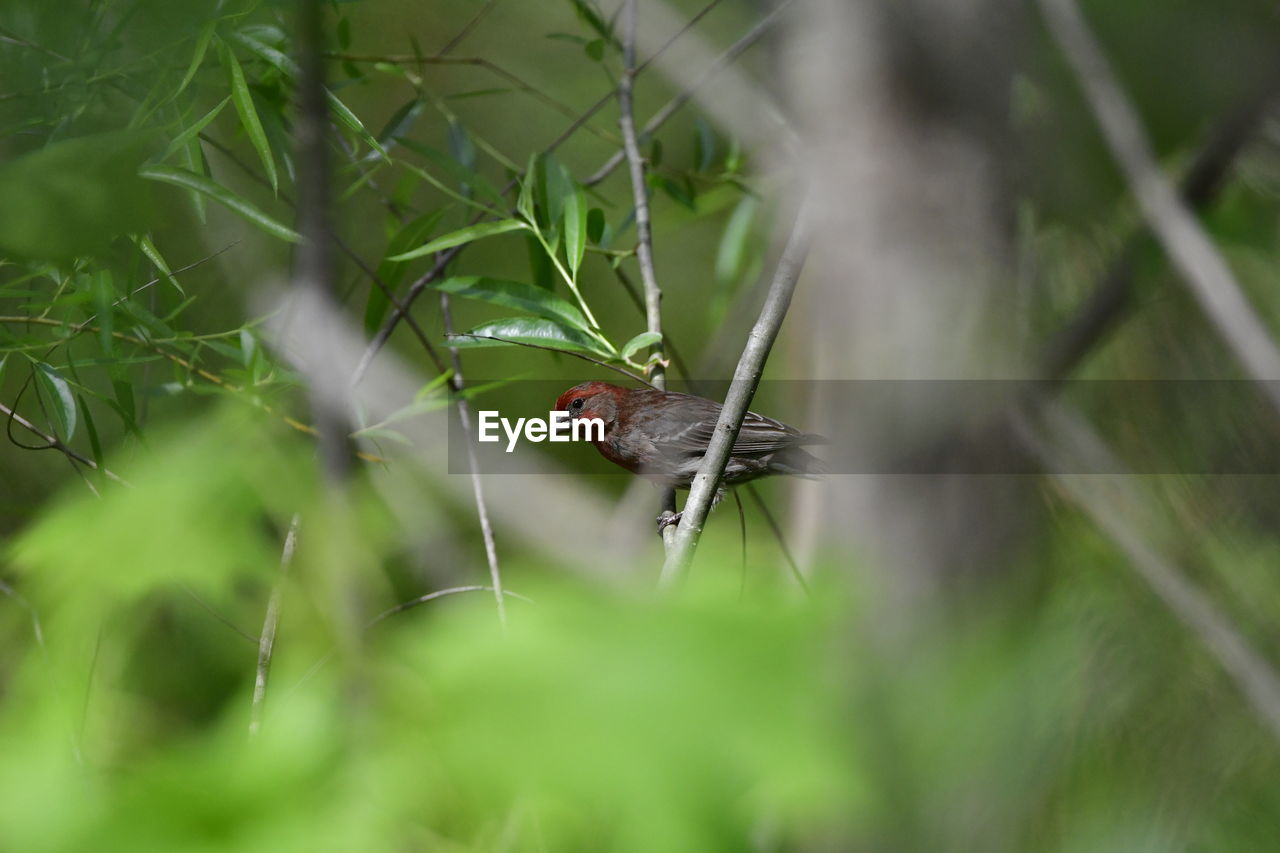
{"type": "Point", "coordinates": [663, 435]}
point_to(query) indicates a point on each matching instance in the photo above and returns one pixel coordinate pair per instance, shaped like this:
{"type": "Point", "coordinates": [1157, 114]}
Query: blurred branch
{"type": "Point", "coordinates": [1203, 268]}
{"type": "Point", "coordinates": [644, 233]}
{"type": "Point", "coordinates": [313, 267]}
{"type": "Point", "coordinates": [1200, 187]}
{"type": "Point", "coordinates": [270, 624]}
{"type": "Point", "coordinates": [745, 379]}
{"type": "Point", "coordinates": [1066, 442]}
{"type": "Point", "coordinates": [676, 103]}
{"type": "Point", "coordinates": [477, 487]}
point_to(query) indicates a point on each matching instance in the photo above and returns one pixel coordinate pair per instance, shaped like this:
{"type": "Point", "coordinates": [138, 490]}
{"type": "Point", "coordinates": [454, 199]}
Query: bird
{"type": "Point", "coordinates": [663, 435]}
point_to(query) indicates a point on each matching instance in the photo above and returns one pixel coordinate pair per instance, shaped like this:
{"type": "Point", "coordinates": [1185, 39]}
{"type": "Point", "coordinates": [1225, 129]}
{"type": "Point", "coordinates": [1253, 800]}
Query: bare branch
{"type": "Point", "coordinates": [644, 232]}
{"type": "Point", "coordinates": [745, 379]}
{"type": "Point", "coordinates": [52, 442]}
{"type": "Point", "coordinates": [1065, 442]}
{"type": "Point", "coordinates": [1202, 266]}
{"type": "Point", "coordinates": [270, 624]}
{"type": "Point", "coordinates": [674, 105]}
{"type": "Point", "coordinates": [477, 487]}
{"type": "Point", "coordinates": [1200, 187]}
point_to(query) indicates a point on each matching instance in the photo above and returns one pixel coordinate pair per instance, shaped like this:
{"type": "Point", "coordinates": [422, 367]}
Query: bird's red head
{"type": "Point", "coordinates": [591, 400]}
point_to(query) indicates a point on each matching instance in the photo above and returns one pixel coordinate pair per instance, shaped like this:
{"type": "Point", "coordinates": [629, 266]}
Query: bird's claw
{"type": "Point", "coordinates": [665, 521]}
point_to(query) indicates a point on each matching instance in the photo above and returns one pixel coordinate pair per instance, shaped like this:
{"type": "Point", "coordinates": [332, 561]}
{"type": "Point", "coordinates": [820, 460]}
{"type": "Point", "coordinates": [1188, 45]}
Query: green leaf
{"type": "Point", "coordinates": [704, 145]}
{"type": "Point", "coordinates": [464, 235]}
{"type": "Point", "coordinates": [181, 140]}
{"type": "Point", "coordinates": [595, 225]}
{"type": "Point", "coordinates": [392, 273]}
{"type": "Point", "coordinates": [59, 393]}
{"type": "Point", "coordinates": [733, 243]}
{"type": "Point", "coordinates": [104, 294]}
{"type": "Point", "coordinates": [95, 443]}
{"type": "Point", "coordinates": [243, 100]}
{"type": "Point", "coordinates": [525, 201]}
{"type": "Point", "coordinates": [197, 58]}
{"type": "Point", "coordinates": [513, 294]}
{"type": "Point", "coordinates": [222, 195]}
{"type": "Point", "coordinates": [529, 330]}
{"type": "Point", "coordinates": [400, 122]}
{"type": "Point", "coordinates": [348, 118]}
{"type": "Point", "coordinates": [595, 49]}
{"type": "Point", "coordinates": [74, 197]}
{"type": "Point", "coordinates": [575, 228]}
{"type": "Point", "coordinates": [153, 254]}
{"type": "Point", "coordinates": [639, 342]}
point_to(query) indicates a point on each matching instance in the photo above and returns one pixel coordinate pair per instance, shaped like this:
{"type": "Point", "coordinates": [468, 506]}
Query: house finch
{"type": "Point", "coordinates": [663, 435]}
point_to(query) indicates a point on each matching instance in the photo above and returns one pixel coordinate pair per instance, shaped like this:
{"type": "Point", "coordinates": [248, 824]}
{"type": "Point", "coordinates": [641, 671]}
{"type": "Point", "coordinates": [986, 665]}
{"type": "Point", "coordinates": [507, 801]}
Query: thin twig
{"type": "Point", "coordinates": [52, 442]}
{"type": "Point", "coordinates": [270, 624]}
{"type": "Point", "coordinates": [432, 596]}
{"type": "Point", "coordinates": [742, 534]}
{"type": "Point", "coordinates": [1193, 253]}
{"type": "Point", "coordinates": [777, 534]}
{"type": "Point", "coordinates": [684, 96]}
{"type": "Point", "coordinates": [746, 377]}
{"type": "Point", "coordinates": [1065, 442]}
{"type": "Point", "coordinates": [656, 368]}
{"type": "Point", "coordinates": [477, 486]}
{"type": "Point", "coordinates": [467, 30]}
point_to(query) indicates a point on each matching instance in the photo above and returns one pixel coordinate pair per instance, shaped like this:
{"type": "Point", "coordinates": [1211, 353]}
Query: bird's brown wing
{"type": "Point", "coordinates": [759, 435]}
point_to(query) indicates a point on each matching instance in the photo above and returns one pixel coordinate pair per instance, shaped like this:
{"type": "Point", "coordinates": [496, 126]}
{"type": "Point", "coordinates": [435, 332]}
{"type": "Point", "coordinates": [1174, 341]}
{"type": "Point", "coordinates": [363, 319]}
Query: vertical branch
{"type": "Point", "coordinates": [745, 379]}
{"type": "Point", "coordinates": [656, 370]}
{"type": "Point", "coordinates": [477, 488]}
{"type": "Point", "coordinates": [313, 263]}
{"type": "Point", "coordinates": [270, 623]}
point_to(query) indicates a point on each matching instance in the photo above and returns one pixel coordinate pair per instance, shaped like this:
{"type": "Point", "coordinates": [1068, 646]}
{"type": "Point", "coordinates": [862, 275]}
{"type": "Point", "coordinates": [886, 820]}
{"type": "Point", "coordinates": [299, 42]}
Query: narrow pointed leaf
{"type": "Point", "coordinates": [243, 100]}
{"type": "Point", "coordinates": [575, 228]}
{"type": "Point", "coordinates": [639, 342]}
{"type": "Point", "coordinates": [514, 294]}
{"type": "Point", "coordinates": [222, 195]}
{"type": "Point", "coordinates": [197, 58]}
{"type": "Point", "coordinates": [464, 235]}
{"type": "Point", "coordinates": [529, 330]}
{"type": "Point", "coordinates": [62, 401]}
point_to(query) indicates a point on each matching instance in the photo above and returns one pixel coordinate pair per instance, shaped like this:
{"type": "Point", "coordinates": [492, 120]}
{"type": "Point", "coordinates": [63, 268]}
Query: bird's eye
{"type": "Point", "coordinates": [576, 404]}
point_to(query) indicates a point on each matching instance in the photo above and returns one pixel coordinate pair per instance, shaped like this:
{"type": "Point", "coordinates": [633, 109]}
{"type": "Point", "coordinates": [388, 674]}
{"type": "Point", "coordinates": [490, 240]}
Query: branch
{"type": "Point", "coordinates": [312, 262]}
{"type": "Point", "coordinates": [1201, 265]}
{"type": "Point", "coordinates": [1116, 508]}
{"type": "Point", "coordinates": [270, 623]}
{"type": "Point", "coordinates": [1200, 187]}
{"type": "Point", "coordinates": [477, 487]}
{"type": "Point", "coordinates": [676, 103]}
{"type": "Point", "coordinates": [52, 442]}
{"type": "Point", "coordinates": [745, 379]}
{"type": "Point", "coordinates": [644, 232]}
